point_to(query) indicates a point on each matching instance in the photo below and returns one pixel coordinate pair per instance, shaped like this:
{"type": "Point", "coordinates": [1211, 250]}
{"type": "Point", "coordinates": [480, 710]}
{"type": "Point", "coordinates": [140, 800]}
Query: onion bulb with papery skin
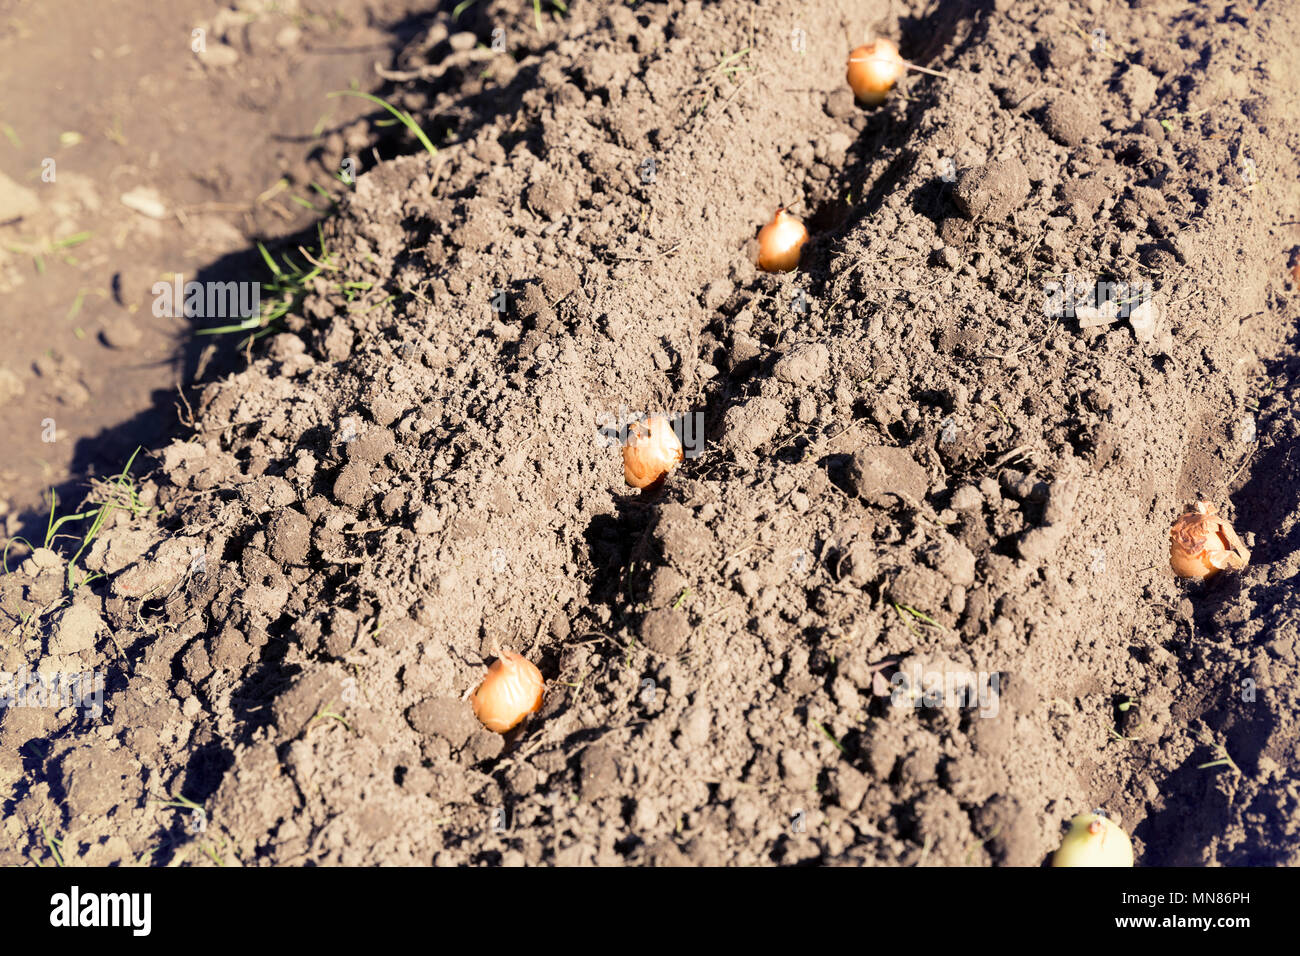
{"type": "Point", "coordinates": [1093, 840]}
{"type": "Point", "coordinates": [874, 69]}
{"type": "Point", "coordinates": [780, 242]}
{"type": "Point", "coordinates": [652, 450]}
{"type": "Point", "coordinates": [510, 692]}
{"type": "Point", "coordinates": [1201, 544]}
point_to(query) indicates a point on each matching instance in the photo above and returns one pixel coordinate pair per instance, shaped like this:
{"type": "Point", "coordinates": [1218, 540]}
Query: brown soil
{"type": "Point", "coordinates": [229, 143]}
{"type": "Point", "coordinates": [911, 468]}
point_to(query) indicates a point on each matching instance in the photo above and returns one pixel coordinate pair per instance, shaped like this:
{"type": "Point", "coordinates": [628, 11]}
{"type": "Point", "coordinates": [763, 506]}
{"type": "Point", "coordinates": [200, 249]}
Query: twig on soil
{"type": "Point", "coordinates": [186, 419]}
{"type": "Point", "coordinates": [1029, 96]}
{"type": "Point", "coordinates": [1103, 50]}
{"type": "Point", "coordinates": [581, 639]}
{"type": "Point", "coordinates": [431, 71]}
{"type": "Point", "coordinates": [659, 255]}
{"type": "Point", "coordinates": [1244, 462]}
{"type": "Point", "coordinates": [907, 63]}
{"type": "Point", "coordinates": [1017, 452]}
{"type": "Point", "coordinates": [752, 539]}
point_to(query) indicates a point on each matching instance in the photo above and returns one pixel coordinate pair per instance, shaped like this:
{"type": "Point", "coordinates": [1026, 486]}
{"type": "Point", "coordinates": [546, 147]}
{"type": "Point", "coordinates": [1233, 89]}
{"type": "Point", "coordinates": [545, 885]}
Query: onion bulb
{"type": "Point", "coordinates": [874, 69]}
{"type": "Point", "coordinates": [780, 243]}
{"type": "Point", "coordinates": [652, 450]}
{"type": "Point", "coordinates": [1201, 544]}
{"type": "Point", "coordinates": [1093, 840]}
{"type": "Point", "coordinates": [510, 692]}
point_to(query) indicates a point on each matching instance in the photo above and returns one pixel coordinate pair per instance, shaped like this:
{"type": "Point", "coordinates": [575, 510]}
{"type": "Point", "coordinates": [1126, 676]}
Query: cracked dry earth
{"type": "Point", "coordinates": [396, 485]}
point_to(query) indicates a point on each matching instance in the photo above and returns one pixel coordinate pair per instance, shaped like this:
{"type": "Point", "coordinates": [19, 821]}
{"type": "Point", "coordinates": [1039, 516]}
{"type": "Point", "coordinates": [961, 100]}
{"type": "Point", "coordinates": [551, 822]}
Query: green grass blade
{"type": "Point", "coordinates": [8, 545]}
{"type": "Point", "coordinates": [266, 257]}
{"type": "Point", "coordinates": [402, 115]}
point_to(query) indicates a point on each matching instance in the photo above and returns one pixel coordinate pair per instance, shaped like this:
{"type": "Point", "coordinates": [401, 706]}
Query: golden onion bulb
{"type": "Point", "coordinates": [1094, 840]}
{"type": "Point", "coordinates": [1201, 544]}
{"type": "Point", "coordinates": [874, 69]}
{"type": "Point", "coordinates": [780, 243]}
{"type": "Point", "coordinates": [652, 451]}
{"type": "Point", "coordinates": [510, 692]}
